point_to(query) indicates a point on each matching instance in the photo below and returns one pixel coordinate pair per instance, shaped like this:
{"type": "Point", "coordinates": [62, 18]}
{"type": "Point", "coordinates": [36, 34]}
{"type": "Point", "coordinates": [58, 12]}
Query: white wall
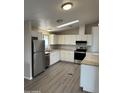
{"type": "Point", "coordinates": [82, 32]}
{"type": "Point", "coordinates": [27, 50]}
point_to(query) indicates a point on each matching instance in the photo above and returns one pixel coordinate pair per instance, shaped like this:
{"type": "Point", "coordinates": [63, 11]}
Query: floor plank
{"type": "Point", "coordinates": [63, 77]}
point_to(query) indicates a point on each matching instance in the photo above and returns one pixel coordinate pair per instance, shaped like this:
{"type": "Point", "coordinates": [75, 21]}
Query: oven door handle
{"type": "Point", "coordinates": [80, 52]}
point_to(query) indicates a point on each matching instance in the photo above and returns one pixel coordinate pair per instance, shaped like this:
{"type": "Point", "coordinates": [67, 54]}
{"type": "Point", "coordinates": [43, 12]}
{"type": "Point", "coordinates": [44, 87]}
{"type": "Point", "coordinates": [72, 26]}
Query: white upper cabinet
{"type": "Point", "coordinates": [40, 36]}
{"type": "Point", "coordinates": [73, 39]}
{"type": "Point", "coordinates": [53, 39]}
{"type": "Point", "coordinates": [66, 39]}
{"type": "Point", "coordinates": [36, 34]}
{"type": "Point", "coordinates": [61, 39]}
{"type": "Point", "coordinates": [70, 39]}
{"type": "Point", "coordinates": [89, 40]}
{"type": "Point", "coordinates": [78, 37]}
{"type": "Point", "coordinates": [95, 39]}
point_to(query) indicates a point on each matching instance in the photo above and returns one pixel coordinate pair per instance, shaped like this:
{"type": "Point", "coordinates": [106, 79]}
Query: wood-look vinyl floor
{"type": "Point", "coordinates": [63, 77]}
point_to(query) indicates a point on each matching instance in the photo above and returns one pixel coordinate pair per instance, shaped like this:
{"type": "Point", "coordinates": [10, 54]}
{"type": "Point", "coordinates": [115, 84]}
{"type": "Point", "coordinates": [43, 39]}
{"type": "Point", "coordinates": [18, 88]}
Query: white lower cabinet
{"type": "Point", "coordinates": [89, 78]}
{"type": "Point", "coordinates": [64, 55]}
{"type": "Point", "coordinates": [54, 56]}
{"type": "Point", "coordinates": [67, 55]}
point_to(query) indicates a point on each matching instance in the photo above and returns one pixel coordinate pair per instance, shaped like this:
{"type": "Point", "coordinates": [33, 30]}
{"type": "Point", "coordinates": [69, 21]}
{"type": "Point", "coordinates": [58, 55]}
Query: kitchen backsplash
{"type": "Point", "coordinates": [70, 47]}
{"type": "Point", "coordinates": [67, 47]}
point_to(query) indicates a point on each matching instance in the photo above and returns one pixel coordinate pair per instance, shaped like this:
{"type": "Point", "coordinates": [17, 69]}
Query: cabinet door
{"type": "Point", "coordinates": [78, 37]}
{"type": "Point", "coordinates": [54, 57]}
{"type": "Point", "coordinates": [53, 39]}
{"type": "Point", "coordinates": [70, 39]}
{"type": "Point", "coordinates": [70, 56]}
{"type": "Point", "coordinates": [73, 39]}
{"type": "Point", "coordinates": [66, 39]}
{"type": "Point", "coordinates": [57, 55]}
{"type": "Point", "coordinates": [36, 34]}
{"type": "Point", "coordinates": [67, 55]}
{"type": "Point", "coordinates": [61, 39]}
{"type": "Point", "coordinates": [89, 40]}
{"type": "Point", "coordinates": [84, 38]}
{"type": "Point", "coordinates": [40, 36]}
{"type": "Point", "coordinates": [62, 55]}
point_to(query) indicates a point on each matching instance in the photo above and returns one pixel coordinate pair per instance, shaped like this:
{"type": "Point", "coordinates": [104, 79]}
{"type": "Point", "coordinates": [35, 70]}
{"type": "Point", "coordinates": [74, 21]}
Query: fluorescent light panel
{"type": "Point", "coordinates": [66, 24]}
{"type": "Point", "coordinates": [49, 30]}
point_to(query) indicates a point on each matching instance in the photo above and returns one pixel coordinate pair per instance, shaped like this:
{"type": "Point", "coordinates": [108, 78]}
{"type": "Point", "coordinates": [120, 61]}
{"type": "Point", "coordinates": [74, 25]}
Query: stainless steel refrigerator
{"type": "Point", "coordinates": [38, 62]}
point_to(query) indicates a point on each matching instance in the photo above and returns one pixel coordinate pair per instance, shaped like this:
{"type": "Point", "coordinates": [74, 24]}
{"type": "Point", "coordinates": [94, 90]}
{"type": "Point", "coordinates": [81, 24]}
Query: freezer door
{"type": "Point", "coordinates": [38, 45]}
{"type": "Point", "coordinates": [38, 63]}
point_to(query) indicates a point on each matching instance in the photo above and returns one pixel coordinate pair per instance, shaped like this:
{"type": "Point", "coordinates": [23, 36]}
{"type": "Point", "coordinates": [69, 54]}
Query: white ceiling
{"type": "Point", "coordinates": [44, 13]}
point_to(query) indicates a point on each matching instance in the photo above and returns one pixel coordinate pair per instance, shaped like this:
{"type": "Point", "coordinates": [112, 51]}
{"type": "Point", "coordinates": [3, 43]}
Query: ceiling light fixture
{"type": "Point", "coordinates": [67, 6]}
{"type": "Point", "coordinates": [67, 24]}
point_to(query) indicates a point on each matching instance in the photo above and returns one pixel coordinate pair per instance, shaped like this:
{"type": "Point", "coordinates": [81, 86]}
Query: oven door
{"type": "Point", "coordinates": [79, 55]}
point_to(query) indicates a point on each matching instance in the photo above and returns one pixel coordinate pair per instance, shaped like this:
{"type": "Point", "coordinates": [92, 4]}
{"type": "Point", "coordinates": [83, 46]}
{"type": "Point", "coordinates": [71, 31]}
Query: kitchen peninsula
{"type": "Point", "coordinates": [89, 73]}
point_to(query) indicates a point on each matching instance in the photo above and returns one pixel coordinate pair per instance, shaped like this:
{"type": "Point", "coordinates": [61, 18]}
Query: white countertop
{"type": "Point", "coordinates": [94, 53]}
{"type": "Point", "coordinates": [92, 63]}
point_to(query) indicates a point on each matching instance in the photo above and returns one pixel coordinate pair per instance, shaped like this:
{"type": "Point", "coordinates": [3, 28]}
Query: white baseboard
{"type": "Point", "coordinates": [29, 78]}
